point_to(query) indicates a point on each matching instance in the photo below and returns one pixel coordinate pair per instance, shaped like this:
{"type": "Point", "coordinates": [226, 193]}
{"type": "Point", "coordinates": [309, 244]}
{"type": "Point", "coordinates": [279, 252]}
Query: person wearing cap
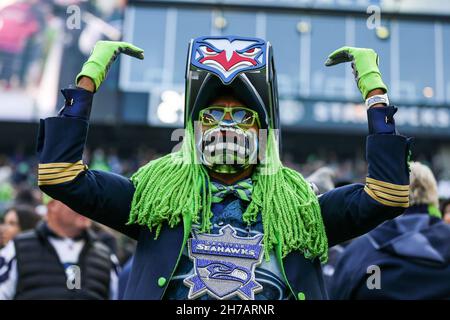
{"type": "Point", "coordinates": [410, 252]}
{"type": "Point", "coordinates": [59, 259]}
{"type": "Point", "coordinates": [221, 217]}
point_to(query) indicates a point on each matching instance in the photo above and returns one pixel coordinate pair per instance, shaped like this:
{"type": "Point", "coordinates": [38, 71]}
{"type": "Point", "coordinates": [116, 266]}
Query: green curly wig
{"type": "Point", "coordinates": [175, 186]}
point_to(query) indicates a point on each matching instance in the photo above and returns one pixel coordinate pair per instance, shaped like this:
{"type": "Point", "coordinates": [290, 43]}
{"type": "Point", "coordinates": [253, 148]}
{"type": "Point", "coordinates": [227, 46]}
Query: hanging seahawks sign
{"type": "Point", "coordinates": [228, 56]}
{"type": "Point", "coordinates": [224, 265]}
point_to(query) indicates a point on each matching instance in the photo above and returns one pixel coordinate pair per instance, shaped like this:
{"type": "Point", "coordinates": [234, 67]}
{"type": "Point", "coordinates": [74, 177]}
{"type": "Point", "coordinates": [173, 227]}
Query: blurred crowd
{"type": "Point", "coordinates": [18, 171]}
{"type": "Point", "coordinates": [29, 31]}
{"type": "Point", "coordinates": [23, 207]}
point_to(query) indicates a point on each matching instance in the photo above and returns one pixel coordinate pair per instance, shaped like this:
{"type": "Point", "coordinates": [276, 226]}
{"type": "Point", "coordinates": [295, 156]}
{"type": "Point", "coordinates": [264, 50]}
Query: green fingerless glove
{"type": "Point", "coordinates": [103, 55]}
{"type": "Point", "coordinates": [365, 67]}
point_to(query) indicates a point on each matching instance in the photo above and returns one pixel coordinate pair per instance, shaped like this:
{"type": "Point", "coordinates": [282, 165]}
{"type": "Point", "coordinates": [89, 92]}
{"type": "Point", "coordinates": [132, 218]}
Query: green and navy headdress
{"type": "Point", "coordinates": [174, 188]}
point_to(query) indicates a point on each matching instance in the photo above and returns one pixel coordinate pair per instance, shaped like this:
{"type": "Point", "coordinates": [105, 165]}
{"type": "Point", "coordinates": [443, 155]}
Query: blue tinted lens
{"type": "Point", "coordinates": [212, 115]}
{"type": "Point", "coordinates": [243, 116]}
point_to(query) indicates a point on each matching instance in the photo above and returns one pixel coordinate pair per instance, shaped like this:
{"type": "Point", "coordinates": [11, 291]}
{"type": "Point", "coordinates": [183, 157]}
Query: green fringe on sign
{"type": "Point", "coordinates": [175, 186]}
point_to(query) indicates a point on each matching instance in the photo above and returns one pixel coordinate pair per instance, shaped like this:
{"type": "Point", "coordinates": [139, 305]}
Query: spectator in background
{"type": "Point", "coordinates": [18, 25]}
{"type": "Point", "coordinates": [27, 196]}
{"type": "Point", "coordinates": [41, 263]}
{"type": "Point", "coordinates": [6, 188]}
{"type": "Point", "coordinates": [16, 220]}
{"type": "Point", "coordinates": [322, 180]}
{"type": "Point", "coordinates": [106, 236]}
{"type": "Point", "coordinates": [412, 252]}
{"type": "Point", "coordinates": [445, 209]}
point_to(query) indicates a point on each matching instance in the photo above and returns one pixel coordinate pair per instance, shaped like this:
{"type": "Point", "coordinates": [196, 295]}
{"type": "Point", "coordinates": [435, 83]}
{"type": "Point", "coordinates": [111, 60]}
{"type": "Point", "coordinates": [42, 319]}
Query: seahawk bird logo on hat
{"type": "Point", "coordinates": [228, 56]}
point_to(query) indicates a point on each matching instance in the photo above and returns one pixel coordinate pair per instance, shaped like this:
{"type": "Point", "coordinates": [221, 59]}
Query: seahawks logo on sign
{"type": "Point", "coordinates": [224, 265]}
{"type": "Point", "coordinates": [228, 56]}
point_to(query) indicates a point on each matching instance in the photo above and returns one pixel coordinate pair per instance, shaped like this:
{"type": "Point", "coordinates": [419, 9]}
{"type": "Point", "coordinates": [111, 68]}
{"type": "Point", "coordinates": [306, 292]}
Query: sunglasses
{"type": "Point", "coordinates": [242, 116]}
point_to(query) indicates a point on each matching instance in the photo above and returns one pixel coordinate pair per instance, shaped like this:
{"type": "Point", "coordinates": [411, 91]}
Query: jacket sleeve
{"type": "Point", "coordinates": [353, 210]}
{"type": "Point", "coordinates": [350, 271]}
{"type": "Point", "coordinates": [102, 196]}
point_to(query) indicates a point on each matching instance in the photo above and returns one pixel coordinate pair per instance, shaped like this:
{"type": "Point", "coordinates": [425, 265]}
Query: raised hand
{"type": "Point", "coordinates": [365, 67]}
{"type": "Point", "coordinates": [101, 58]}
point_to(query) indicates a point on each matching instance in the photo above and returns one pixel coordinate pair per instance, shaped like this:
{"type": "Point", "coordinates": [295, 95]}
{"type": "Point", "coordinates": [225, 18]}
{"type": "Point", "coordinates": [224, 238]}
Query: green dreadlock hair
{"type": "Point", "coordinates": [175, 186]}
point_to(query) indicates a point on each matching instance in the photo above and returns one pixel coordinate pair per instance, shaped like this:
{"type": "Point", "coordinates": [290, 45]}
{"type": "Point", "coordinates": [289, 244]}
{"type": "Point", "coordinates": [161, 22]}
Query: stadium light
{"type": "Point", "coordinates": [220, 22]}
{"type": "Point", "coordinates": [382, 32]}
{"type": "Point", "coordinates": [170, 110]}
{"type": "Point", "coordinates": [303, 27]}
{"type": "Point", "coordinates": [428, 92]}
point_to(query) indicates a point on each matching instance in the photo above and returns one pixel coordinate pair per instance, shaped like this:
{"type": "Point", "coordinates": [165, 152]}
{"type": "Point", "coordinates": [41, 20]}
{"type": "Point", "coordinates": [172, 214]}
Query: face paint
{"type": "Point", "coordinates": [227, 148]}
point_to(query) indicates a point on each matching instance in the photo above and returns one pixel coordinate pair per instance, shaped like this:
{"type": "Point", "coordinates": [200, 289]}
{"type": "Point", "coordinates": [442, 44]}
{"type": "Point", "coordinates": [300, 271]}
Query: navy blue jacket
{"type": "Point", "coordinates": [106, 197]}
{"type": "Point", "coordinates": [413, 256]}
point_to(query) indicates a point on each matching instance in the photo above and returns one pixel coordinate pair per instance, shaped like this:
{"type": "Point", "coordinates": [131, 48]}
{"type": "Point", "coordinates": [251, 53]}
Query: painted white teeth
{"type": "Point", "coordinates": [225, 146]}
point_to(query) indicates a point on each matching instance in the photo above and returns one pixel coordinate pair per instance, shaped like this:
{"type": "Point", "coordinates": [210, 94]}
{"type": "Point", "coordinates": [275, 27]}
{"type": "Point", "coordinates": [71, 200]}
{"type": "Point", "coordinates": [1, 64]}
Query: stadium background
{"type": "Point", "coordinates": [140, 103]}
